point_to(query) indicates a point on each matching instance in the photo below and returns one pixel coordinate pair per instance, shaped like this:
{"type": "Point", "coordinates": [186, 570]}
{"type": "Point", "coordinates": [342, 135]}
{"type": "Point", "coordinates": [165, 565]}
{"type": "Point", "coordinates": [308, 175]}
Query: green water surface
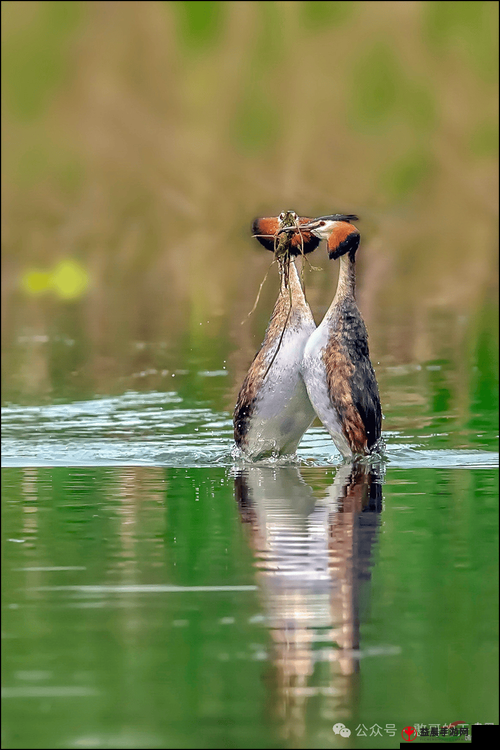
{"type": "Point", "coordinates": [111, 639]}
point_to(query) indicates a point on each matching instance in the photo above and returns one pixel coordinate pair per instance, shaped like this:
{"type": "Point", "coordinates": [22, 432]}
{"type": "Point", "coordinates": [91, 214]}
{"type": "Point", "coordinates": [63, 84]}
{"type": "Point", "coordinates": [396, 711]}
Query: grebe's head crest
{"type": "Point", "coordinates": [268, 229]}
{"type": "Point", "coordinates": [341, 235]}
{"type": "Point", "coordinates": [323, 226]}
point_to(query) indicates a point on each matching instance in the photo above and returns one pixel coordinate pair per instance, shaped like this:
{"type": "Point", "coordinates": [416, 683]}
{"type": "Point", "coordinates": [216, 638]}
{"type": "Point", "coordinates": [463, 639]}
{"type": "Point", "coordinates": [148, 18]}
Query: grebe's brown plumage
{"type": "Point", "coordinates": [253, 383]}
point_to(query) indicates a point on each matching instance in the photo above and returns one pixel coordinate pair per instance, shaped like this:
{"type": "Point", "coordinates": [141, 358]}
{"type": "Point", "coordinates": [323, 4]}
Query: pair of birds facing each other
{"type": "Point", "coordinates": [302, 370]}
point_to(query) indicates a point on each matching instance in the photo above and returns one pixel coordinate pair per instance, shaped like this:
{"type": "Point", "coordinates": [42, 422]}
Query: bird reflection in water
{"type": "Point", "coordinates": [313, 540]}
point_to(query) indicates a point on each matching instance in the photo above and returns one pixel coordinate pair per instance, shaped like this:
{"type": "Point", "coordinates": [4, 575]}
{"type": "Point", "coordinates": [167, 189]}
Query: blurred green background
{"type": "Point", "coordinates": [141, 138]}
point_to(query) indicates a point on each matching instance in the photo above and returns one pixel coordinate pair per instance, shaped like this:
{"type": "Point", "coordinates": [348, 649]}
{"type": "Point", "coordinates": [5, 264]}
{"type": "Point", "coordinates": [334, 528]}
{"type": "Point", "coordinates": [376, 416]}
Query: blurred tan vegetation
{"type": "Point", "coordinates": [141, 138]}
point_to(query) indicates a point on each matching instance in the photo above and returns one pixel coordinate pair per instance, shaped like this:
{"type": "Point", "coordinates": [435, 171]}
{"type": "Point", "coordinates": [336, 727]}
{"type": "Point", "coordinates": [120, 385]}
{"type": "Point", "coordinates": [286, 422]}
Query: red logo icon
{"type": "Point", "coordinates": [409, 734]}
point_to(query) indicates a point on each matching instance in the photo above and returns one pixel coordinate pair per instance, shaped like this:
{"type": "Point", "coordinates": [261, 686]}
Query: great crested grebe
{"type": "Point", "coordinates": [273, 410]}
{"type": "Point", "coordinates": [336, 366]}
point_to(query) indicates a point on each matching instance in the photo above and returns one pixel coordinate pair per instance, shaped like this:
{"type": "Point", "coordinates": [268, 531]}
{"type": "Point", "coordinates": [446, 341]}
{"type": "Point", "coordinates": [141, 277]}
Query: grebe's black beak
{"type": "Point", "coordinates": [311, 225]}
{"type": "Point", "coordinates": [320, 221]}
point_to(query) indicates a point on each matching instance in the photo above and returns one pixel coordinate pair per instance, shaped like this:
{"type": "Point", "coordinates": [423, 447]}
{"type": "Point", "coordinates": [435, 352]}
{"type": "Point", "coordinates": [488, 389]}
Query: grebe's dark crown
{"type": "Point", "coordinates": [338, 217]}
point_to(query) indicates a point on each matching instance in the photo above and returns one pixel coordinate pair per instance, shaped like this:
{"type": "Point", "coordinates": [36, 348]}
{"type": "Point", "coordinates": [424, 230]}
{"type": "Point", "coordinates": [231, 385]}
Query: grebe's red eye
{"type": "Point", "coordinates": [322, 224]}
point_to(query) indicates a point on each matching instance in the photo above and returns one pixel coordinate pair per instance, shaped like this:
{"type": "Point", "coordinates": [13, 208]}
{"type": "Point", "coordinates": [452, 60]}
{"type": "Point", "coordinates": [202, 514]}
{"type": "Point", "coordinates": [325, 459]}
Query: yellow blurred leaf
{"type": "Point", "coordinates": [34, 281]}
{"type": "Point", "coordinates": [69, 279]}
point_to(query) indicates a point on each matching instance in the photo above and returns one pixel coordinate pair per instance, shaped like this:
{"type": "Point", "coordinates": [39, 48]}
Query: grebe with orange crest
{"type": "Point", "coordinates": [273, 410]}
{"type": "Point", "coordinates": [336, 366]}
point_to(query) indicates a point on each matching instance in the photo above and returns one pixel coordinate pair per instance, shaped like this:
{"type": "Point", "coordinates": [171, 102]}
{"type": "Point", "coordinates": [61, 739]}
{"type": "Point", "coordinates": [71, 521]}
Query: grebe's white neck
{"type": "Point", "coordinates": [346, 286]}
{"type": "Point", "coordinates": [294, 282]}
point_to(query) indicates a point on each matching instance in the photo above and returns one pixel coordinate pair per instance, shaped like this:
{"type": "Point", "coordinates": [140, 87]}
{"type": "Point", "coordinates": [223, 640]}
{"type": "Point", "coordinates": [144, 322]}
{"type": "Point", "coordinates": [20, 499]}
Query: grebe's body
{"type": "Point", "coordinates": [273, 409]}
{"type": "Point", "coordinates": [336, 366]}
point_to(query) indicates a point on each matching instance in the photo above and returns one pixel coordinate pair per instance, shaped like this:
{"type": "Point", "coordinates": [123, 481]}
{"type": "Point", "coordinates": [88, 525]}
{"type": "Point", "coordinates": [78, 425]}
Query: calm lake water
{"type": "Point", "coordinates": [158, 592]}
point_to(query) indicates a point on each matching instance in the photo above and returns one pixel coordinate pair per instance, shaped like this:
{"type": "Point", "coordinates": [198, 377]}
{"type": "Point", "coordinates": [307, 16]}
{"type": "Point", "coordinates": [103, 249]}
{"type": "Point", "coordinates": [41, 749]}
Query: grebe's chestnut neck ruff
{"type": "Point", "coordinates": [336, 367]}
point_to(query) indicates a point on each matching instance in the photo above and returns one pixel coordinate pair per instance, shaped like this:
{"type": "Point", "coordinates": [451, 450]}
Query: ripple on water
{"type": "Point", "coordinates": [160, 429]}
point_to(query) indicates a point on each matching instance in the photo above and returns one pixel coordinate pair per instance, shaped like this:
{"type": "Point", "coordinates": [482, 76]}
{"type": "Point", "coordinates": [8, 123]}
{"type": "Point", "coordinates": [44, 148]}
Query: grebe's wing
{"type": "Point", "coordinates": [352, 385]}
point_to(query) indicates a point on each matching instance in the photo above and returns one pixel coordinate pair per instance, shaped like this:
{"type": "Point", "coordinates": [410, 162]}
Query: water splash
{"type": "Point", "coordinates": [161, 429]}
